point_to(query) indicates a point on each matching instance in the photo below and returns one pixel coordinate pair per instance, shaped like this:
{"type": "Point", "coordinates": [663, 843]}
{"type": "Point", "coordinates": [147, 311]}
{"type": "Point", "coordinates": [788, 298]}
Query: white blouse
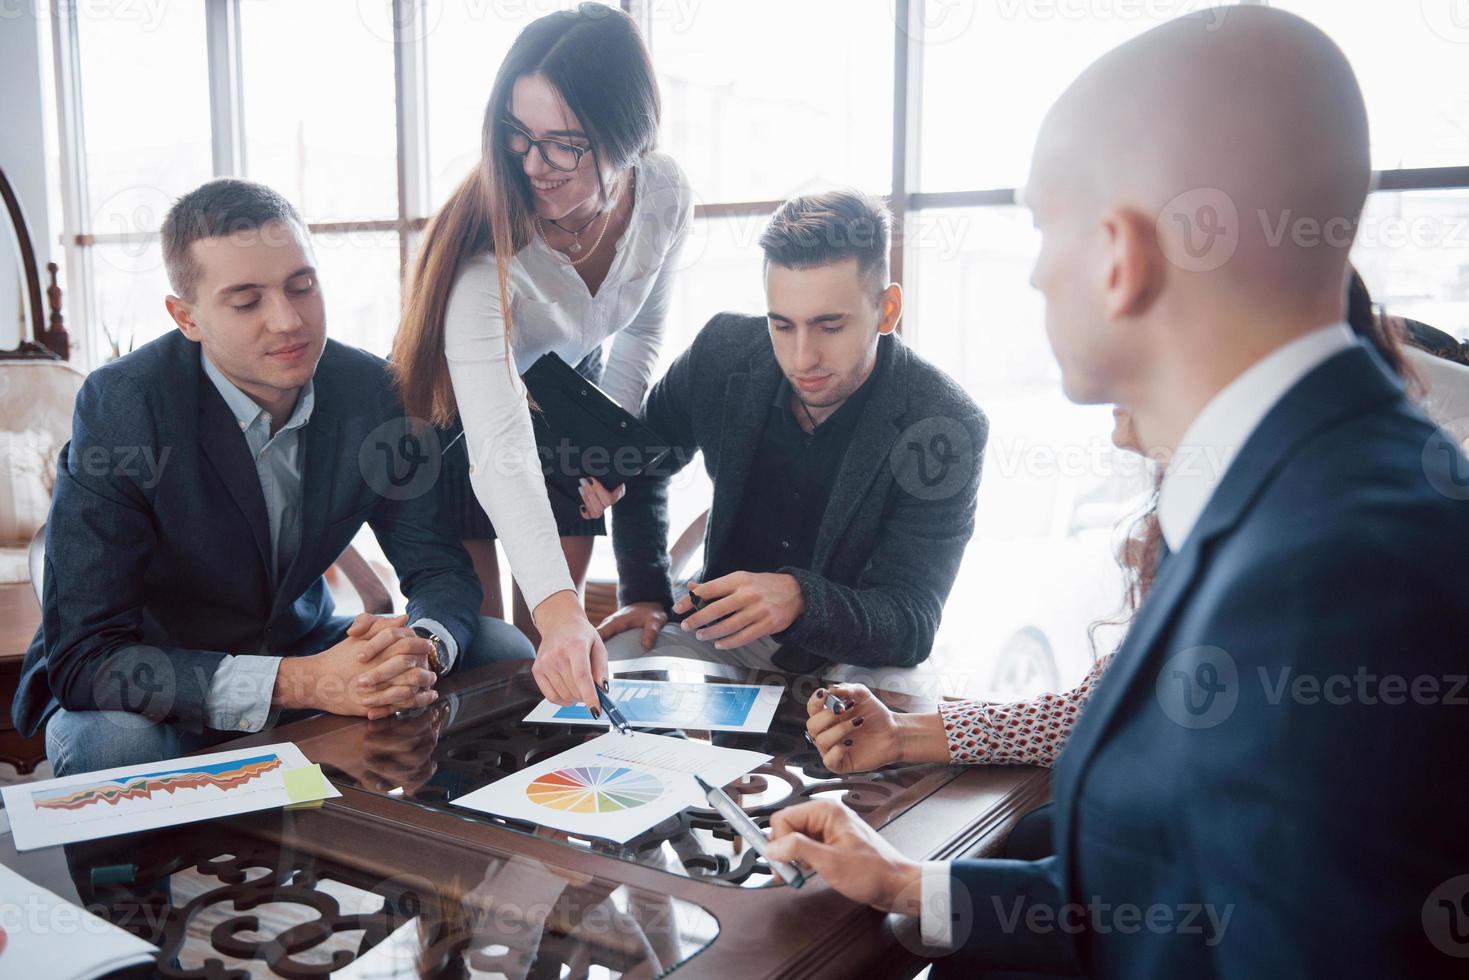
{"type": "Point", "coordinates": [553, 311]}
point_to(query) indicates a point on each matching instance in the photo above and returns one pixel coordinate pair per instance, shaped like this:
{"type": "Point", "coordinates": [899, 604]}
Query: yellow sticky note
{"type": "Point", "coordinates": [305, 786]}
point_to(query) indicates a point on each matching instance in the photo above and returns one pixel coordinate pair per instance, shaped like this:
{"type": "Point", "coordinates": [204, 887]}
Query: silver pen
{"type": "Point", "coordinates": [749, 830]}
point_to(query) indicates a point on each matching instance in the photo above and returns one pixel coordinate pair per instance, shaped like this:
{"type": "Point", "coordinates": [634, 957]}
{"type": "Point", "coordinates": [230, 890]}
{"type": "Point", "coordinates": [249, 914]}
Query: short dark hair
{"type": "Point", "coordinates": [216, 209]}
{"type": "Point", "coordinates": [832, 226]}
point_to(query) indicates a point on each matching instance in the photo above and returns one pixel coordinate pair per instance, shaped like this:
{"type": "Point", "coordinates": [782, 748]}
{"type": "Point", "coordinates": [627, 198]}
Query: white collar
{"type": "Point", "coordinates": [1216, 436]}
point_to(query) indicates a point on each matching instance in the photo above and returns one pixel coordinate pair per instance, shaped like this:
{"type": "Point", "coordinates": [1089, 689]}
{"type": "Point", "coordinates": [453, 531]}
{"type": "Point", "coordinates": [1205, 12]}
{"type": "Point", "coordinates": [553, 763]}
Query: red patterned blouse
{"type": "Point", "coordinates": [1027, 732]}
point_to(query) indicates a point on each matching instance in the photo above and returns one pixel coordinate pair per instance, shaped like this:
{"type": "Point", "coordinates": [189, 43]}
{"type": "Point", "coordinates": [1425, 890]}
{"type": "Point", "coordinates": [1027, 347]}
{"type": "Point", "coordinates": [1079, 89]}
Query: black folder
{"type": "Point", "coordinates": [581, 432]}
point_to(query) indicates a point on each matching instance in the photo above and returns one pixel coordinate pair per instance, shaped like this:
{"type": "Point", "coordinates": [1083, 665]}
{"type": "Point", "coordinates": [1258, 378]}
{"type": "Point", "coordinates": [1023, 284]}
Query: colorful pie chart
{"type": "Point", "coordinates": [594, 789]}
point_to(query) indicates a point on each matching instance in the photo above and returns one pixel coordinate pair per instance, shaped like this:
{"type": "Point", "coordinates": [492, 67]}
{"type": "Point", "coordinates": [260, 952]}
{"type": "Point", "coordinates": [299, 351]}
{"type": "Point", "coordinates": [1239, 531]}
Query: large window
{"type": "Point", "coordinates": [765, 98]}
{"type": "Point", "coordinates": [367, 113]}
{"type": "Point", "coordinates": [465, 43]}
{"type": "Point", "coordinates": [147, 139]}
{"type": "Point", "coordinates": [318, 113]}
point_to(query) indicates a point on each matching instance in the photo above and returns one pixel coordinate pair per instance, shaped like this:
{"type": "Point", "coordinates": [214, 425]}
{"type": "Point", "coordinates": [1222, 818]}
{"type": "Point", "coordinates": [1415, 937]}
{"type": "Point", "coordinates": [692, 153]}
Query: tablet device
{"type": "Point", "coordinates": [582, 432]}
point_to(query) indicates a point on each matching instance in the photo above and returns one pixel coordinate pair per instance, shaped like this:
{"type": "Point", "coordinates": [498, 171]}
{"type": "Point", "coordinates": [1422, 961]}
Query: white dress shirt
{"type": "Point", "coordinates": [240, 692]}
{"type": "Point", "coordinates": [1194, 472]}
{"type": "Point", "coordinates": [552, 311]}
{"type": "Point", "coordinates": [1216, 436]}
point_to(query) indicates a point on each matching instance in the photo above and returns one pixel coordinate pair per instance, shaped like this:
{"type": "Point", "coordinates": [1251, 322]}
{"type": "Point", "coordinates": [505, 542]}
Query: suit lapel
{"type": "Point", "coordinates": [747, 398]}
{"type": "Point", "coordinates": [225, 447]}
{"type": "Point", "coordinates": [1346, 384]}
{"type": "Point", "coordinates": [868, 453]}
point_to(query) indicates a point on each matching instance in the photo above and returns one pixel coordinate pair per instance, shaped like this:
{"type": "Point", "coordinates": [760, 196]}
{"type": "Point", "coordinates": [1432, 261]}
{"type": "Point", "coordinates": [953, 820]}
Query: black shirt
{"type": "Point", "coordinates": [790, 482]}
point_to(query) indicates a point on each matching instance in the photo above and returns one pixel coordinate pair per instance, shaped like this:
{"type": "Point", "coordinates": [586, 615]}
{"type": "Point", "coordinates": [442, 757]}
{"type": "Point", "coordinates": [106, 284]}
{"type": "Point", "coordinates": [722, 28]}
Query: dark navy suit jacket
{"type": "Point", "coordinates": [1257, 787]}
{"type": "Point", "coordinates": [157, 546]}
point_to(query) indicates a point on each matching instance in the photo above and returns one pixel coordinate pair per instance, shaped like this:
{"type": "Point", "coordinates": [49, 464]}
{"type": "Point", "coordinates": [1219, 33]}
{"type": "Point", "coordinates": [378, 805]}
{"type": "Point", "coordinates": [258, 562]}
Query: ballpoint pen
{"type": "Point", "coordinates": [614, 713]}
{"type": "Point", "coordinates": [833, 704]}
{"type": "Point", "coordinates": [749, 830]}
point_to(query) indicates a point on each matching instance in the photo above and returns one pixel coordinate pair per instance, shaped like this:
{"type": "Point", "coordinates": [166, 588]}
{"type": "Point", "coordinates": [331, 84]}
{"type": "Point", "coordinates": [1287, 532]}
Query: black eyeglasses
{"type": "Point", "coordinates": [558, 155]}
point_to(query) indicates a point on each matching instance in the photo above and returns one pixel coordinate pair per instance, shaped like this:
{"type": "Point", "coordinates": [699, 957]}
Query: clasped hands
{"type": "Point", "coordinates": [379, 668]}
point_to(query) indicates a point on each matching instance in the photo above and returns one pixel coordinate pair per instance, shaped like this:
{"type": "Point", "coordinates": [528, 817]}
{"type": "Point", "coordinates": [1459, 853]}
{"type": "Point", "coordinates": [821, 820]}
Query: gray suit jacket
{"type": "Point", "coordinates": [893, 531]}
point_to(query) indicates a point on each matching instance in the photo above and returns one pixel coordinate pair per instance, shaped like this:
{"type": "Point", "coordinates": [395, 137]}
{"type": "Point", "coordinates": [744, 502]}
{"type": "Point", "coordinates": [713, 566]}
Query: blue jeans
{"type": "Point", "coordinates": [86, 741]}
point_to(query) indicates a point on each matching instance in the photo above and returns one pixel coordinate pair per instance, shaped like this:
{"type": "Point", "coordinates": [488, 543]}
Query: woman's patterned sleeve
{"type": "Point", "coordinates": [1019, 733]}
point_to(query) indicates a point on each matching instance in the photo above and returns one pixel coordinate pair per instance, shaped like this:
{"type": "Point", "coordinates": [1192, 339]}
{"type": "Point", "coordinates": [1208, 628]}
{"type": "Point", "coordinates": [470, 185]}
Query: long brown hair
{"type": "Point", "coordinates": [596, 59]}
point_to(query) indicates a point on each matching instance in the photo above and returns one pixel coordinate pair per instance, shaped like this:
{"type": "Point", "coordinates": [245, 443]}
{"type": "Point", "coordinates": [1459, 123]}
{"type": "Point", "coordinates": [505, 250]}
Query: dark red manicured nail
{"type": "Point", "coordinates": [857, 722]}
{"type": "Point", "coordinates": [847, 742]}
{"type": "Point", "coordinates": [821, 693]}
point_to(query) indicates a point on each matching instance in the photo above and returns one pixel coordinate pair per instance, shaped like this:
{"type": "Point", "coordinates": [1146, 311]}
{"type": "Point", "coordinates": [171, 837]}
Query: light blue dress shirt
{"type": "Point", "coordinates": [240, 692]}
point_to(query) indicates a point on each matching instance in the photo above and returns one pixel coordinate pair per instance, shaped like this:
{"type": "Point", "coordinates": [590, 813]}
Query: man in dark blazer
{"type": "Point", "coordinates": [1270, 779]}
{"type": "Point", "coordinates": [212, 476]}
{"type": "Point", "coordinates": [844, 466]}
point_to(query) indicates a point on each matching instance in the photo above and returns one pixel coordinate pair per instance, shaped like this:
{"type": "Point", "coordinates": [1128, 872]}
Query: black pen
{"type": "Point", "coordinates": [749, 830]}
{"type": "Point", "coordinates": [614, 713]}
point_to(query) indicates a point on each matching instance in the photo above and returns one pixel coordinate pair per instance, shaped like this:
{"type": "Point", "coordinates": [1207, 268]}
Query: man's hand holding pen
{"type": "Point", "coordinates": [830, 839]}
{"type": "Point", "coordinates": [742, 607]}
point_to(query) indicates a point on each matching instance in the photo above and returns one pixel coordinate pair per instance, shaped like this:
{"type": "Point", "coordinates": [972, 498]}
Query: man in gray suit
{"type": "Point", "coordinates": [845, 469]}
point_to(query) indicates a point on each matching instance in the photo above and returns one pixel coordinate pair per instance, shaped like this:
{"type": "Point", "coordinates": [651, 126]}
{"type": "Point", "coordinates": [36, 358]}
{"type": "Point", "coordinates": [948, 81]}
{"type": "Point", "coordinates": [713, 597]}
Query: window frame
{"type": "Point", "coordinates": [410, 64]}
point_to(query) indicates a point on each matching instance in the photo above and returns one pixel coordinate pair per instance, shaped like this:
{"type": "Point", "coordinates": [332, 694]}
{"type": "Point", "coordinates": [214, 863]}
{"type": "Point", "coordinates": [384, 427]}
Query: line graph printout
{"type": "Point", "coordinates": [676, 704]}
{"type": "Point", "coordinates": [161, 794]}
{"type": "Point", "coordinates": [613, 787]}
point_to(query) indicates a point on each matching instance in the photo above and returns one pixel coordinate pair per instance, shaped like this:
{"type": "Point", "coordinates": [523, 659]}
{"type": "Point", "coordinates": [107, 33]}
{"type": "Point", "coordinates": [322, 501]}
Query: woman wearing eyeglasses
{"type": "Point", "coordinates": [563, 237]}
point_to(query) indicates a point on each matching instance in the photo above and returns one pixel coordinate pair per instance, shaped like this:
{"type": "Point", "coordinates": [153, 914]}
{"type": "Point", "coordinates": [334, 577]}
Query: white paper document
{"type": "Point", "coordinates": [613, 787]}
{"type": "Point", "coordinates": [160, 794]}
{"type": "Point", "coordinates": [43, 935]}
{"type": "Point", "coordinates": [677, 704]}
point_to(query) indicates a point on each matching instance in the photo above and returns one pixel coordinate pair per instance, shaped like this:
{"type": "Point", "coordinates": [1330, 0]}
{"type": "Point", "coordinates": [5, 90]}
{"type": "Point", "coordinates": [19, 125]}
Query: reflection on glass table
{"type": "Point", "coordinates": [476, 735]}
{"type": "Point", "coordinates": [301, 893]}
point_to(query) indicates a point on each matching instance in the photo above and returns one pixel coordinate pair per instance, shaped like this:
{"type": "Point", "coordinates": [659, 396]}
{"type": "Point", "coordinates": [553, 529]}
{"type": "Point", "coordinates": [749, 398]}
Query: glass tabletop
{"type": "Point", "coordinates": [301, 893]}
{"type": "Point", "coordinates": [477, 735]}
